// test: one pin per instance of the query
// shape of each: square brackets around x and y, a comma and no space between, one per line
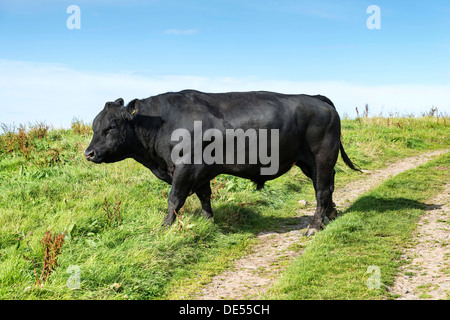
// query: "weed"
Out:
[54,155]
[39,130]
[432,113]
[47,158]
[112,211]
[357,116]
[364,115]
[51,244]
[183,225]
[215,190]
[80,128]
[16,142]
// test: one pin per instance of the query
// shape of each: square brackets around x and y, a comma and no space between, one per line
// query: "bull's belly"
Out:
[255,171]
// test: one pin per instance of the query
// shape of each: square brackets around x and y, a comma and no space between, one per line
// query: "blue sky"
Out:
[140,48]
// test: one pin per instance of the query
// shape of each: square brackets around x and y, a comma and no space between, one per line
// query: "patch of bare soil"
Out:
[427,272]
[253,274]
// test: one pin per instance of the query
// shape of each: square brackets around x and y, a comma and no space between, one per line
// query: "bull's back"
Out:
[255,109]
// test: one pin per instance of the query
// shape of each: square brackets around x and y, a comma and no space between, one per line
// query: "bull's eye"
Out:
[112,125]
[107,131]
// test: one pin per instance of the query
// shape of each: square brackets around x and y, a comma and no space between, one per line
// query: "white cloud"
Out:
[31,92]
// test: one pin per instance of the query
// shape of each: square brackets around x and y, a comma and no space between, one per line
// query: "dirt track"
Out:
[427,275]
[253,274]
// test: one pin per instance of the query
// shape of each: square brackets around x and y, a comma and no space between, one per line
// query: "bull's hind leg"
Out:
[324,186]
[204,194]
[331,213]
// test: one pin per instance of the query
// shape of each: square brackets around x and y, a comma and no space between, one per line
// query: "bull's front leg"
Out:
[181,188]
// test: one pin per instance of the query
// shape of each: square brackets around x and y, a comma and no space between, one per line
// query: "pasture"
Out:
[70,229]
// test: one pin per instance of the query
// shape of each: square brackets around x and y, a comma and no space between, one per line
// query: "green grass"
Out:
[372,232]
[376,141]
[46,184]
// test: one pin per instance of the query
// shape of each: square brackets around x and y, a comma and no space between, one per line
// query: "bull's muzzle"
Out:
[89,154]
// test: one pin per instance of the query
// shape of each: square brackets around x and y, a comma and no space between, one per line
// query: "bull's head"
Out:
[113,132]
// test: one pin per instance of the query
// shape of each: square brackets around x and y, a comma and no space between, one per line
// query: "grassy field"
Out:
[114,246]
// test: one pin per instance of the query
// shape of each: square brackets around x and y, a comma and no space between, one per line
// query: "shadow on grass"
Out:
[379,204]
[248,218]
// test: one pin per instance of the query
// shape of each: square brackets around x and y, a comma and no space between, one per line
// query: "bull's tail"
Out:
[347,160]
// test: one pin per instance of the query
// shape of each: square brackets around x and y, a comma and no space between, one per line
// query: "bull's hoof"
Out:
[167,222]
[310,232]
[208,215]
[333,214]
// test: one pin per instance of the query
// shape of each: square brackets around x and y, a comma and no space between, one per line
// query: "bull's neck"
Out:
[143,145]
[145,153]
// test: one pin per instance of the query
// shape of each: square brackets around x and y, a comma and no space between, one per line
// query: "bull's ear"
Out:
[132,109]
[119,101]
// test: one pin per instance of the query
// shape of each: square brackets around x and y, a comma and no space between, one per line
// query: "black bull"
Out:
[307,135]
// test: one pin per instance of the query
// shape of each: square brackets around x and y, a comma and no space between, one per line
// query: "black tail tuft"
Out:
[347,160]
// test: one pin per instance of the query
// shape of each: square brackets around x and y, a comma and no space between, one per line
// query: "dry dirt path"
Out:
[253,274]
[427,274]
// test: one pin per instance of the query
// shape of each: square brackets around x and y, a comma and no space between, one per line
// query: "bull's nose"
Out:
[89,154]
